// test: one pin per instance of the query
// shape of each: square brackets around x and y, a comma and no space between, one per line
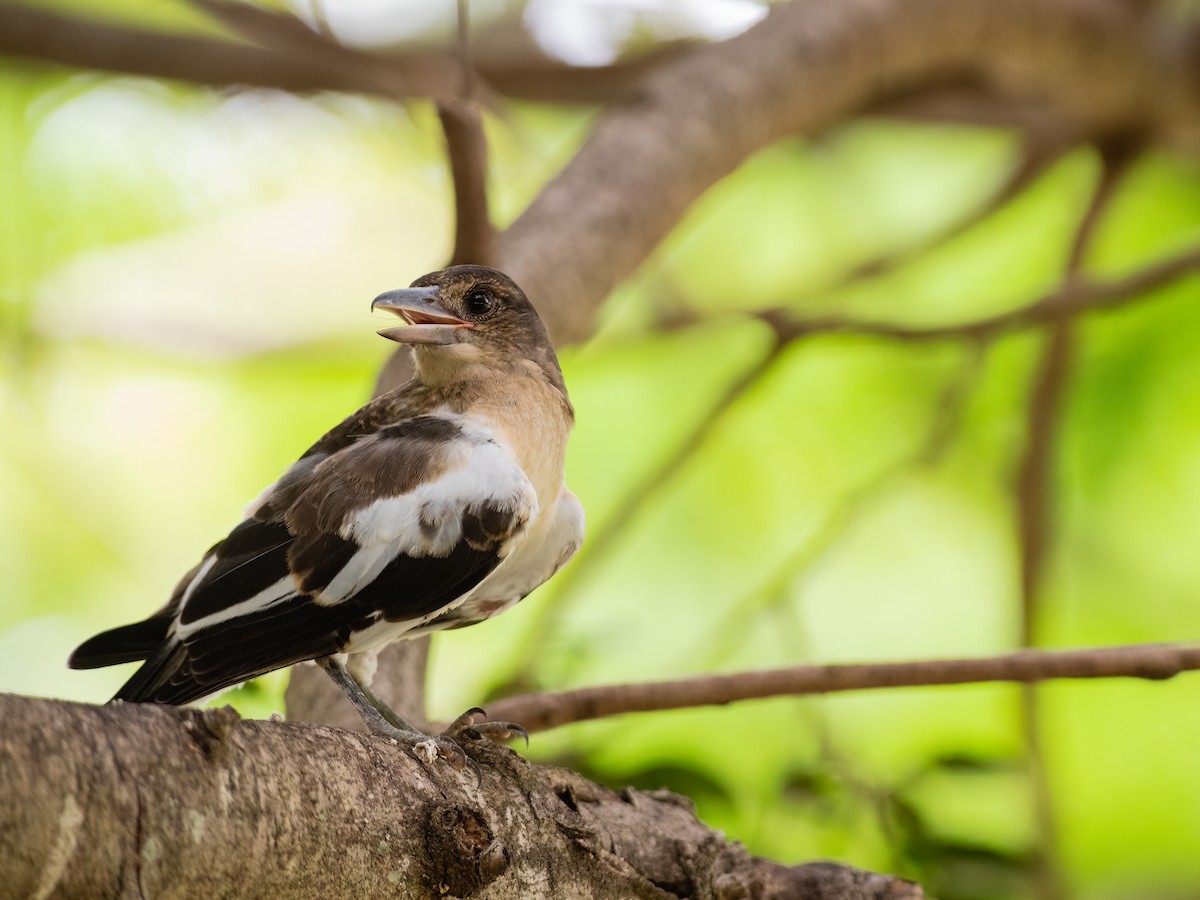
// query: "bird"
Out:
[437,505]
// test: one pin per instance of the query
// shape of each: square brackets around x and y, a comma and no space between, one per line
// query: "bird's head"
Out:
[468,315]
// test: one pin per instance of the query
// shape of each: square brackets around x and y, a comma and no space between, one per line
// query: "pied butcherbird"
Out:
[437,505]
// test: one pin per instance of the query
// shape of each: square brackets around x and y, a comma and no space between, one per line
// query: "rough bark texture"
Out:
[152,801]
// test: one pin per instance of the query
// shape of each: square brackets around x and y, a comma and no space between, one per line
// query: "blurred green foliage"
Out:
[185,284]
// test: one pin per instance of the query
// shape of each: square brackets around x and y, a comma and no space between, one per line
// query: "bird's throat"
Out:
[450,365]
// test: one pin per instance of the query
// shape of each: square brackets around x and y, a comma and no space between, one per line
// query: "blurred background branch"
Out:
[1034,496]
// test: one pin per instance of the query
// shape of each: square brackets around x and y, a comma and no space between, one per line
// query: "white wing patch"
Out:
[428,521]
[363,568]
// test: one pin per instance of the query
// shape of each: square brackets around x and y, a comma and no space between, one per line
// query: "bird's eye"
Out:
[479,303]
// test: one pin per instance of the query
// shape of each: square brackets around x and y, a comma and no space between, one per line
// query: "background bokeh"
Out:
[185,284]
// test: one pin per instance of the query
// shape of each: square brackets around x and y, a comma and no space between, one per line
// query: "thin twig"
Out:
[312,60]
[967,101]
[466,145]
[952,401]
[1034,499]
[1033,520]
[1045,400]
[1068,301]
[541,711]
[597,546]
[1037,155]
[465,60]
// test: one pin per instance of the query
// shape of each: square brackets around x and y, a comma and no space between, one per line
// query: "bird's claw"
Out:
[464,722]
[448,744]
[473,725]
[499,732]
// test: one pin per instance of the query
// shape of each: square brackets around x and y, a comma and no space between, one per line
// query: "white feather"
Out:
[486,475]
[283,589]
[363,568]
[544,549]
[195,582]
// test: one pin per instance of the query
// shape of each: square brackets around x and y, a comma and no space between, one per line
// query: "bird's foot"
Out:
[383,722]
[424,747]
[448,744]
[473,725]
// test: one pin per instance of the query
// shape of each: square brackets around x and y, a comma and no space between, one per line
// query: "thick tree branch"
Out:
[466,146]
[319,65]
[145,800]
[808,65]
[538,712]
[1097,65]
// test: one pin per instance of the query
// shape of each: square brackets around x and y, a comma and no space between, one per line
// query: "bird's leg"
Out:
[384,722]
[394,718]
[370,707]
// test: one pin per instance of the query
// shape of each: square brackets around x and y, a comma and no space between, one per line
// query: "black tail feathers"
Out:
[128,643]
[155,681]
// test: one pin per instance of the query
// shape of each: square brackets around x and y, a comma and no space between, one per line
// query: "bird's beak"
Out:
[428,323]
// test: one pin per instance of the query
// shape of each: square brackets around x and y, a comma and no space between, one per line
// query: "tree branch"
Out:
[1034,514]
[541,711]
[695,117]
[1073,299]
[146,800]
[320,65]
[808,65]
[1037,156]
[466,145]
[598,545]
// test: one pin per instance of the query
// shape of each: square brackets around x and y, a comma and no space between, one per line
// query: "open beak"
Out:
[428,323]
